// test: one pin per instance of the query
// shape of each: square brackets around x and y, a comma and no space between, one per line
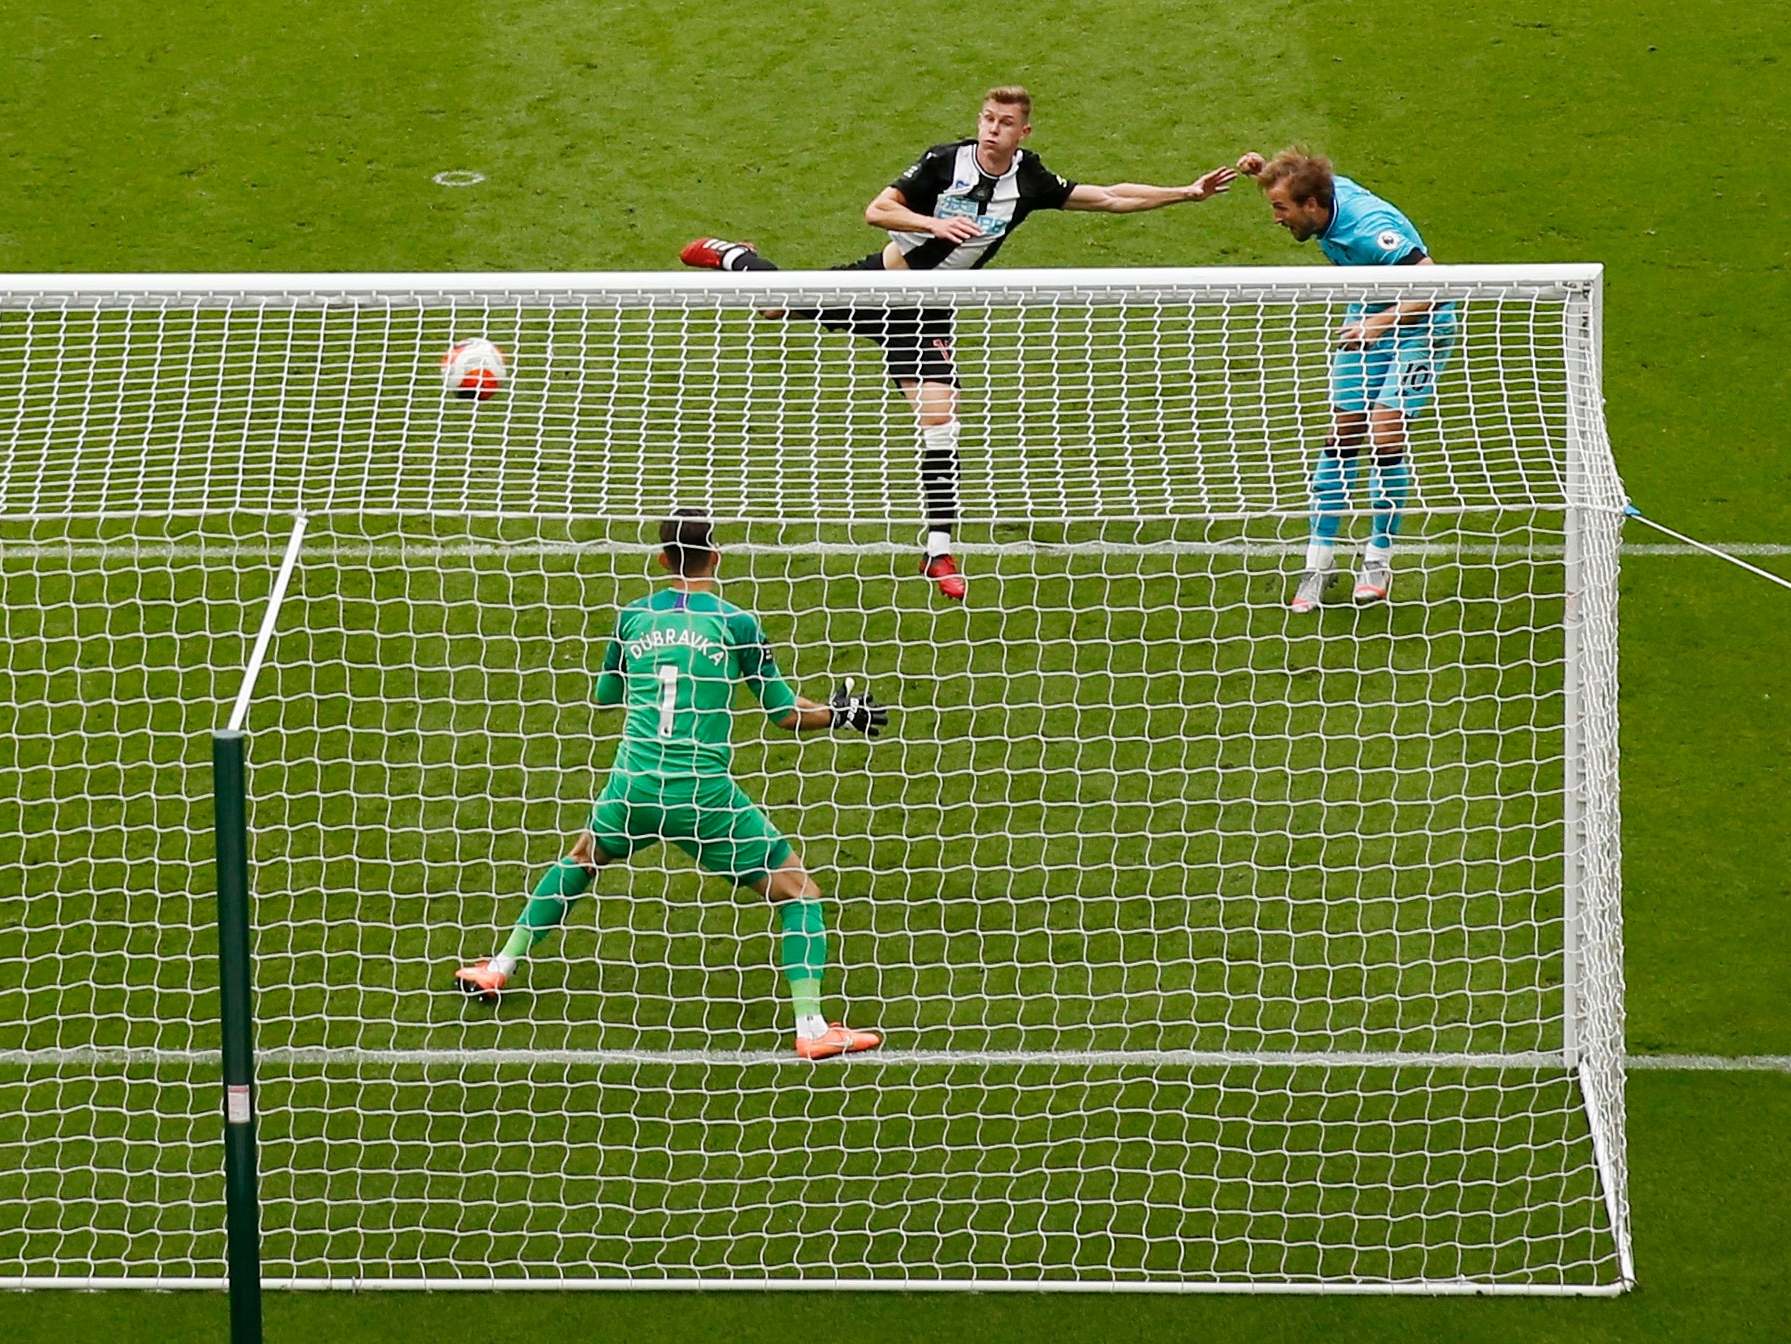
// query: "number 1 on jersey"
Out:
[668,697]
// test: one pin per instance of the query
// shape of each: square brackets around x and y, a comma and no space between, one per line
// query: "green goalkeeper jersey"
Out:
[675,660]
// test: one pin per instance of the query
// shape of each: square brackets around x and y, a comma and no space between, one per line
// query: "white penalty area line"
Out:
[338,551]
[356,1056]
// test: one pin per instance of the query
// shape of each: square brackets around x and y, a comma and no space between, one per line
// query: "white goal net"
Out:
[1215,946]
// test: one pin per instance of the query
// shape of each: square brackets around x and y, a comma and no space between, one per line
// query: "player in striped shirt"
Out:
[677,656]
[1383,372]
[953,208]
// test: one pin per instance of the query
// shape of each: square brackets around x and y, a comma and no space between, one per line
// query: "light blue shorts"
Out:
[1398,373]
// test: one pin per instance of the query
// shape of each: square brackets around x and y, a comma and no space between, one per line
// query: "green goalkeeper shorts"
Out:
[709,818]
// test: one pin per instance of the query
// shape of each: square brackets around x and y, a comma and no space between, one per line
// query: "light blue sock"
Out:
[1389,481]
[1333,477]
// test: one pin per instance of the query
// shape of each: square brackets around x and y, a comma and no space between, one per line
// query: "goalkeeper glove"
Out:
[857,710]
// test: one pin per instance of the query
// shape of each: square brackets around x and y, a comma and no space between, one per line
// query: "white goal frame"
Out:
[1592,1018]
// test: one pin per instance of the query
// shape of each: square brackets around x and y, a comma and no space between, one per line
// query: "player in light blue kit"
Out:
[1384,372]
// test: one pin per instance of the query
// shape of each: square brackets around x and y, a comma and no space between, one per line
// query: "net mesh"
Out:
[1212,944]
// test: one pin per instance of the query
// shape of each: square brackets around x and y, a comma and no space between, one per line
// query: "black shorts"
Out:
[916,342]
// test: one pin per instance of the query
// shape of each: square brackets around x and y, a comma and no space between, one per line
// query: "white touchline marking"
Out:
[458,177]
[1711,1063]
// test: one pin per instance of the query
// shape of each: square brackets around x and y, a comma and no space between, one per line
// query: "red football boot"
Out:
[708,253]
[943,571]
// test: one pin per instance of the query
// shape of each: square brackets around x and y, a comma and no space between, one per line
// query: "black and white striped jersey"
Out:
[947,180]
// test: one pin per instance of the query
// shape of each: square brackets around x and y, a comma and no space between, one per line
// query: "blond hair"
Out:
[1011,95]
[1308,175]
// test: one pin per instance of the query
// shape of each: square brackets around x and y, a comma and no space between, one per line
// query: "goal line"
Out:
[710,1284]
[112,1056]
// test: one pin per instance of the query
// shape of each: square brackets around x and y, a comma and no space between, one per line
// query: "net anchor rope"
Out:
[239,714]
[1631,511]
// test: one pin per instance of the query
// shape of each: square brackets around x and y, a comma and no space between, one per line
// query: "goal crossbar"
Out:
[1282,283]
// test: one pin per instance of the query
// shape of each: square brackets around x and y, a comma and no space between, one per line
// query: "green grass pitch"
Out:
[256,136]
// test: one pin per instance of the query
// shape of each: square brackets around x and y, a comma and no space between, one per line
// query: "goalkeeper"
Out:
[674,661]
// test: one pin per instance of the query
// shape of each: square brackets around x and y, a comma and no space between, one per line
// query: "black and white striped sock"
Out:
[741,257]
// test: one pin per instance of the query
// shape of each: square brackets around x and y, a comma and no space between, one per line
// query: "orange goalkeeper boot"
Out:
[481,980]
[837,1040]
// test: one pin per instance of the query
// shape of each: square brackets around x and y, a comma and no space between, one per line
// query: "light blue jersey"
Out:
[1367,231]
[1400,371]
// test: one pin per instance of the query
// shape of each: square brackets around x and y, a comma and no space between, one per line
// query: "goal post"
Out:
[1217,948]
[242,1215]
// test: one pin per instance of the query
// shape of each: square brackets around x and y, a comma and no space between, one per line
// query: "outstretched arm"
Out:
[1125,198]
[807,716]
[849,708]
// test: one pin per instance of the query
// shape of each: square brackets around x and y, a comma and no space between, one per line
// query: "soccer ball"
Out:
[473,368]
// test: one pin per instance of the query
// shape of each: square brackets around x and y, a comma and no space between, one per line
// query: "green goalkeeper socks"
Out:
[804,950]
[558,886]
